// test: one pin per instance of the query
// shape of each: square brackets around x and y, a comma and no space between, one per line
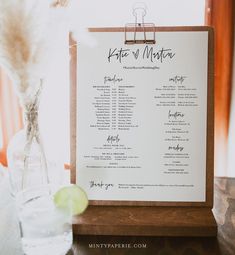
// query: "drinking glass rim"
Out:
[28,194]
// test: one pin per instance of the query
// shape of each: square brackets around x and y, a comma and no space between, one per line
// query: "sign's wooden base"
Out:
[146,221]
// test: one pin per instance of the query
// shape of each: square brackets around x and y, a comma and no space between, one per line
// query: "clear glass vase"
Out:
[27,162]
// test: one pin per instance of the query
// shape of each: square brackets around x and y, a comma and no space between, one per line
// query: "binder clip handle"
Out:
[139,11]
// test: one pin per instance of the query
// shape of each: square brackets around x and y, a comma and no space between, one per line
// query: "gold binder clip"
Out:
[140,27]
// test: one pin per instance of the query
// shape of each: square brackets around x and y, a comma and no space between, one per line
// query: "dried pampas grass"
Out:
[26,42]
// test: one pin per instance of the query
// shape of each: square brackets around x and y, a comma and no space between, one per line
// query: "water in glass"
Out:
[45,229]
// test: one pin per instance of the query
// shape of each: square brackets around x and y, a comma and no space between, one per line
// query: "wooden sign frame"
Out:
[181,218]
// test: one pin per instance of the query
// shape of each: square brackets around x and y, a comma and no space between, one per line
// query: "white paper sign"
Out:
[141,118]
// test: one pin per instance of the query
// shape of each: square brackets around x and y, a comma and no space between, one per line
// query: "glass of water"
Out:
[45,229]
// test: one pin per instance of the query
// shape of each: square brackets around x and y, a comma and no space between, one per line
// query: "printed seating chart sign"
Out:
[142,122]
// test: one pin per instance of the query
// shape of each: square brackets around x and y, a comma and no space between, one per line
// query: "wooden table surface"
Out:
[224,244]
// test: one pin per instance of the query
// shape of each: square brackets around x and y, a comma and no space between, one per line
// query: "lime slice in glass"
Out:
[71,198]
